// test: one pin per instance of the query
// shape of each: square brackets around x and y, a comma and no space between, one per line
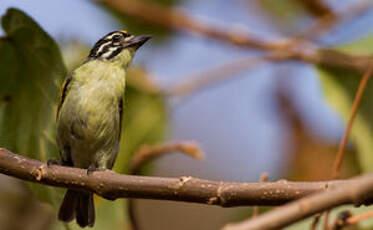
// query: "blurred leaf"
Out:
[31,67]
[283,12]
[310,151]
[74,53]
[138,26]
[30,75]
[340,87]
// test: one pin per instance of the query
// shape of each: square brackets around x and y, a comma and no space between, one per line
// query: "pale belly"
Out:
[88,127]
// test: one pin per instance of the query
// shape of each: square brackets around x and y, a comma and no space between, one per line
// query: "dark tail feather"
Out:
[85,210]
[67,208]
[79,205]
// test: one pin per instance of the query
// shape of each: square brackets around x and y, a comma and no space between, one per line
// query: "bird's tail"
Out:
[78,205]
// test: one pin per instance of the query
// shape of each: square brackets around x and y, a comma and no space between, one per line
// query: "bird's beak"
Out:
[137,41]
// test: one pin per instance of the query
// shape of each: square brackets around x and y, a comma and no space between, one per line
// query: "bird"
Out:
[89,116]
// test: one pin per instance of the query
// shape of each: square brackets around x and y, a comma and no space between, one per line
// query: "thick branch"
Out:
[112,185]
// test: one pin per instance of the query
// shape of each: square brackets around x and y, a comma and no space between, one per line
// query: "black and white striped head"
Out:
[114,43]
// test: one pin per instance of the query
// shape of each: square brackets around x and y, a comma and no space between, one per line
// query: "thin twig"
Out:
[317,7]
[341,220]
[220,73]
[177,19]
[148,153]
[330,20]
[326,220]
[358,218]
[315,221]
[355,106]
[173,18]
[111,185]
[263,178]
[358,193]
[343,143]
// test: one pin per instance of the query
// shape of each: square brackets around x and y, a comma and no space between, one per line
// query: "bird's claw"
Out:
[92,169]
[52,161]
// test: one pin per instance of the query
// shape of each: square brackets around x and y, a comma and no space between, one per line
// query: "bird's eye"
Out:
[116,38]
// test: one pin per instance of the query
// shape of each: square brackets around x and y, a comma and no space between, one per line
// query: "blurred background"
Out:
[284,118]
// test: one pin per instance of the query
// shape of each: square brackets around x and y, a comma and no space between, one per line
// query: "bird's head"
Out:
[118,47]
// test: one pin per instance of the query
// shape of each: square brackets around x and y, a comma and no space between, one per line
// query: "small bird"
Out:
[89,116]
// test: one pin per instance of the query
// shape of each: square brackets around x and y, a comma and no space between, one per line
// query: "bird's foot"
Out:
[52,161]
[92,169]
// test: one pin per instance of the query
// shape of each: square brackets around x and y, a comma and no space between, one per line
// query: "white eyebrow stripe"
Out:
[103,47]
[109,52]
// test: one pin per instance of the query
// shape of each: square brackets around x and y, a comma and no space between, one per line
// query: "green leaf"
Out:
[31,69]
[31,73]
[283,13]
[340,86]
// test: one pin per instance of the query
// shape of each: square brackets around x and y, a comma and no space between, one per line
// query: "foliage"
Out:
[30,73]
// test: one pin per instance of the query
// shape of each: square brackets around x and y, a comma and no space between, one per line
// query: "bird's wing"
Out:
[63,92]
[120,116]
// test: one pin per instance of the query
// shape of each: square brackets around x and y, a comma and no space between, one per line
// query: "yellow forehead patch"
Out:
[124,31]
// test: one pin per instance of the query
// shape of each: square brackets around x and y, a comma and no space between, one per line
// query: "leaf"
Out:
[31,67]
[30,74]
[340,87]
[283,13]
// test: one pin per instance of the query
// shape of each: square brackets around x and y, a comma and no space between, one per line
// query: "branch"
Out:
[316,7]
[329,20]
[219,73]
[356,219]
[315,221]
[263,178]
[342,145]
[359,191]
[355,106]
[111,185]
[147,153]
[178,19]
[340,221]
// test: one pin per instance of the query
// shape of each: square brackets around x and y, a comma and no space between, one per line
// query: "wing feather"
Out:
[63,93]
[120,115]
